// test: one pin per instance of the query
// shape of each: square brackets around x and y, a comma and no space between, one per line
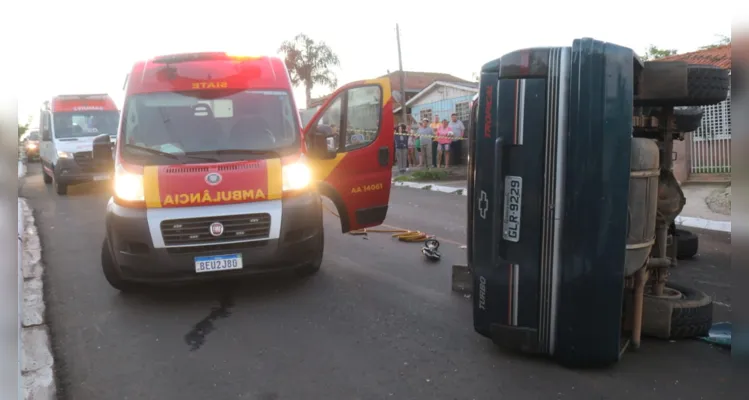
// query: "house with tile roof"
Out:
[705,155]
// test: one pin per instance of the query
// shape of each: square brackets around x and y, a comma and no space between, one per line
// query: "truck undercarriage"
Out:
[598,208]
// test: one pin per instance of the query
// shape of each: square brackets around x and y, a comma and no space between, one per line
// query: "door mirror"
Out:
[317,142]
[102,153]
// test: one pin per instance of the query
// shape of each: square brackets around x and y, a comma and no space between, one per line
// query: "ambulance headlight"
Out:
[127,185]
[64,154]
[296,176]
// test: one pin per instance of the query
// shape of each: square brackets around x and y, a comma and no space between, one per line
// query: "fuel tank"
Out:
[549,189]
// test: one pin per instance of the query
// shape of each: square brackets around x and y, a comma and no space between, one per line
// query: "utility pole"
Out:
[404,114]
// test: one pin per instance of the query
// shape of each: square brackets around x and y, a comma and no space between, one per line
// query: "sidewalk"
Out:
[696,213]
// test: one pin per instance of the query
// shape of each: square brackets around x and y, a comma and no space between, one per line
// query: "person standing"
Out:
[435,125]
[425,136]
[401,147]
[444,138]
[459,130]
[411,150]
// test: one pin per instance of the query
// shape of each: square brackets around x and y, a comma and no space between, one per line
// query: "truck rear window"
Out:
[205,121]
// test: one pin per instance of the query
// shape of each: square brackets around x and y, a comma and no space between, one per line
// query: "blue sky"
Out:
[86,46]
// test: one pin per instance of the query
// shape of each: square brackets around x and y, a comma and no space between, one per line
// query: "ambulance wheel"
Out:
[313,266]
[46,177]
[687,244]
[111,274]
[681,313]
[60,188]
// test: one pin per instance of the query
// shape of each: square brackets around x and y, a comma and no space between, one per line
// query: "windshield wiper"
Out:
[168,155]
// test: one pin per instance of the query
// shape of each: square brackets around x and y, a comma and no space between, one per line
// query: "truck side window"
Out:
[363,116]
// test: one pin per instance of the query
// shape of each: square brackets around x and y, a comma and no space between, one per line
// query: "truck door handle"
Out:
[384,156]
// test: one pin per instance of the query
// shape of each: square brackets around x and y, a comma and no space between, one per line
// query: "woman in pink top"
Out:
[444,138]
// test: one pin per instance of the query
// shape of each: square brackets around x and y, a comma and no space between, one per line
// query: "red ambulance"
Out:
[214,177]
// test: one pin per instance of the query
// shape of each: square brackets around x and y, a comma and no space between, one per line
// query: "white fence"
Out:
[711,143]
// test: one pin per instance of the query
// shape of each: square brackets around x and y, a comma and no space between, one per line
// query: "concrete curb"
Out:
[692,222]
[37,363]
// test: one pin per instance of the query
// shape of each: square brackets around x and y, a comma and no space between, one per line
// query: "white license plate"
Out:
[513,202]
[101,177]
[218,263]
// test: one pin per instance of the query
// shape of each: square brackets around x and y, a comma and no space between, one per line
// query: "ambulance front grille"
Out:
[85,160]
[548,200]
[197,231]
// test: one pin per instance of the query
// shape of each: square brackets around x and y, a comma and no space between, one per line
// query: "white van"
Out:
[68,125]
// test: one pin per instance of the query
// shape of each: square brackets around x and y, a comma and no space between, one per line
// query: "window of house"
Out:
[463,110]
[425,113]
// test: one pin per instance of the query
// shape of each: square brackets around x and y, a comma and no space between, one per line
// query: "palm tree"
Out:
[309,63]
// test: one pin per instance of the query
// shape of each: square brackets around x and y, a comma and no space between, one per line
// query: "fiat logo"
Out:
[213,179]
[217,229]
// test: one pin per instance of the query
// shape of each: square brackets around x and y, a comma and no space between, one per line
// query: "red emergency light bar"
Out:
[98,96]
[204,56]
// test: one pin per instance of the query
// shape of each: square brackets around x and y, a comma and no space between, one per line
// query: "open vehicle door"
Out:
[349,142]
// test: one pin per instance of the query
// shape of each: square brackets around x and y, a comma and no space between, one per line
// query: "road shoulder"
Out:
[37,362]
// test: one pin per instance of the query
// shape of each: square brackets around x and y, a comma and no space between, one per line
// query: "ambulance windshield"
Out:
[209,122]
[85,123]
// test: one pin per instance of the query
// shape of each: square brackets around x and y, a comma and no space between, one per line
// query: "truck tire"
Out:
[111,274]
[46,177]
[687,244]
[688,119]
[706,85]
[685,313]
[314,264]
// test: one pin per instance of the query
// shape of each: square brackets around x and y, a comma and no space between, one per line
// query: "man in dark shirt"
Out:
[401,147]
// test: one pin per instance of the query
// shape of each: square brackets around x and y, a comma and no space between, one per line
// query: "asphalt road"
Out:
[377,322]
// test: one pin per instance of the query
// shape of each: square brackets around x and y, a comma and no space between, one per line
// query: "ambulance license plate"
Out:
[513,202]
[218,263]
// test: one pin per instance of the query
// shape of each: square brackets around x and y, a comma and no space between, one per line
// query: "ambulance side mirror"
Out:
[102,153]
[317,142]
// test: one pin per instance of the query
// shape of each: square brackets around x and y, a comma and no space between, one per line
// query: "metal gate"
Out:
[711,143]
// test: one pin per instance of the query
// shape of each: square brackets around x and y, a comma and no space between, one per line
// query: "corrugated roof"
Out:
[717,56]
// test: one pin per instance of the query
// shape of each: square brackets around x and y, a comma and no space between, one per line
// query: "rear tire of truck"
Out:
[314,265]
[46,177]
[687,244]
[682,313]
[706,85]
[111,274]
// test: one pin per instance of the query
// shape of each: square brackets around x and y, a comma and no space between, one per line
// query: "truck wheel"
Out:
[110,271]
[313,266]
[688,119]
[46,177]
[706,85]
[681,313]
[687,244]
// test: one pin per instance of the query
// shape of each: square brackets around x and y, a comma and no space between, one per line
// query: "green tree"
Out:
[654,53]
[309,63]
[25,127]
[722,41]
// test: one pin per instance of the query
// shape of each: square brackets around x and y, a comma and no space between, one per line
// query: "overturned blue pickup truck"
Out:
[572,200]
